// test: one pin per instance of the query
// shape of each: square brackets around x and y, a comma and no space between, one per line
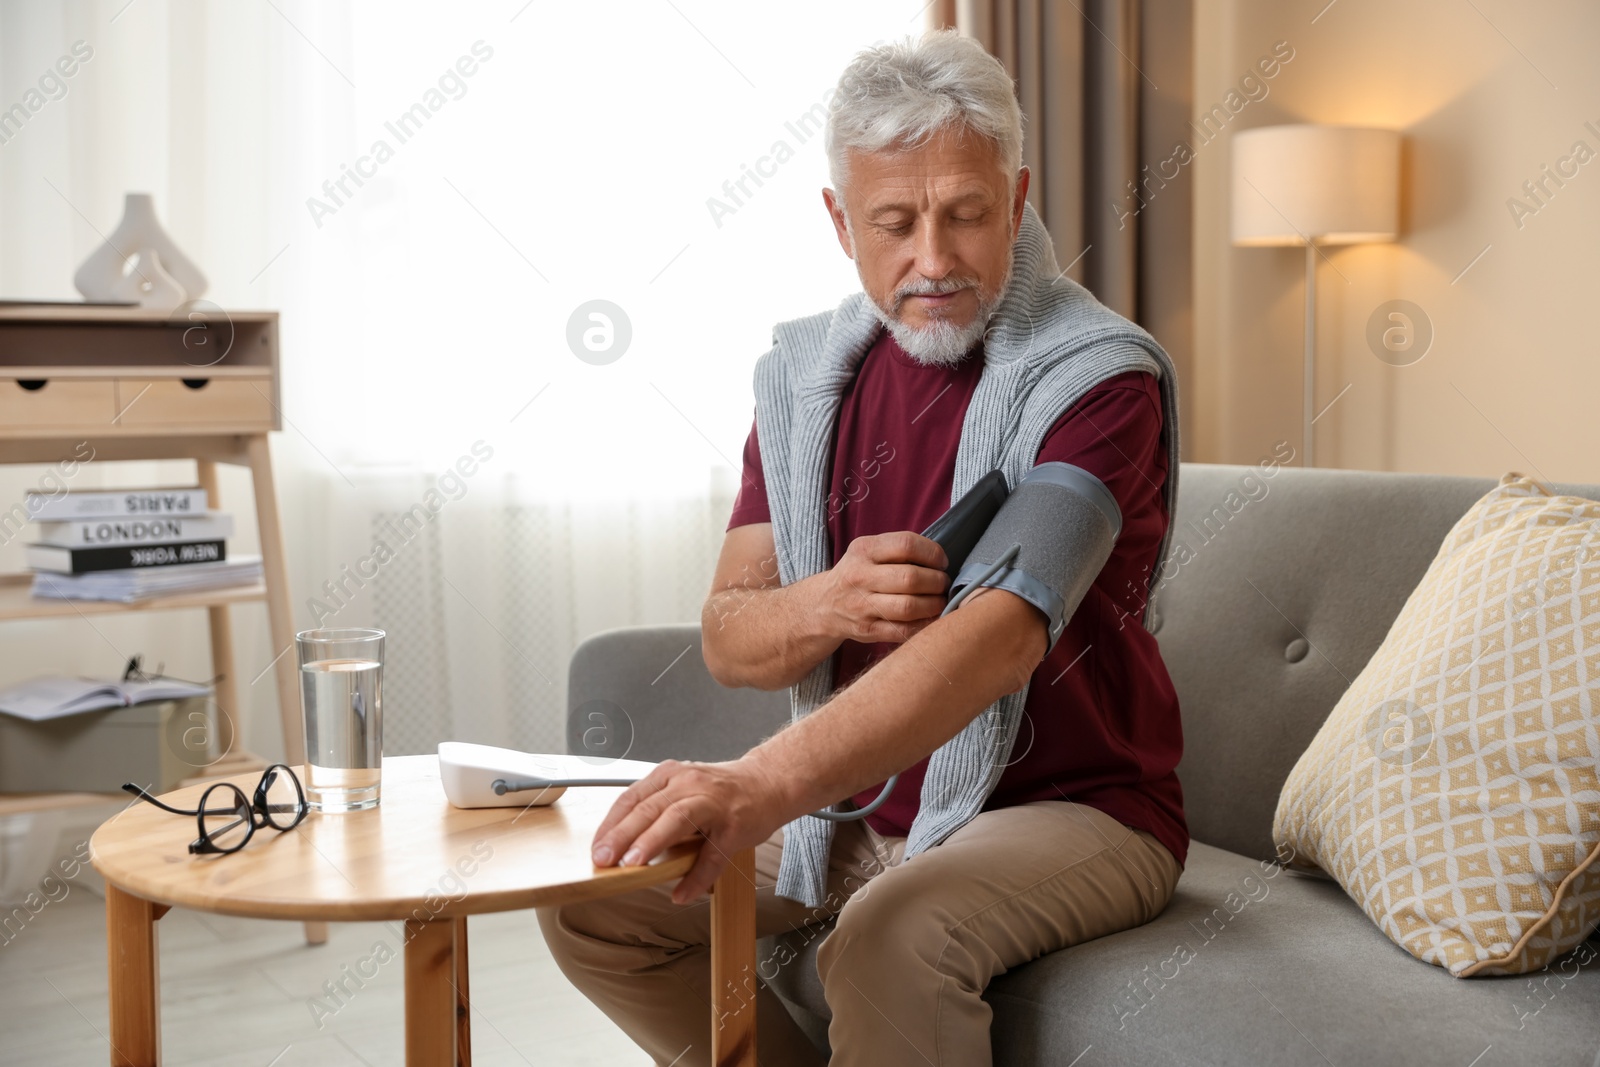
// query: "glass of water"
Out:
[341,695]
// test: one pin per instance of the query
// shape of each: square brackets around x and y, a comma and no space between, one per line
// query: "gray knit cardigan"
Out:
[1049,342]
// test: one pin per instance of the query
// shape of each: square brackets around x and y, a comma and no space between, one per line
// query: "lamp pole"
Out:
[1310,400]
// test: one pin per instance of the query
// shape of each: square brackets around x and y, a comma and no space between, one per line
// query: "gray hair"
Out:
[899,95]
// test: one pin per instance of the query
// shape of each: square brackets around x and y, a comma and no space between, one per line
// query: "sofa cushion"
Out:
[1255,964]
[643,692]
[1453,790]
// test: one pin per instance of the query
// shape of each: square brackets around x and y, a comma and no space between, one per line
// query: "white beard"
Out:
[940,343]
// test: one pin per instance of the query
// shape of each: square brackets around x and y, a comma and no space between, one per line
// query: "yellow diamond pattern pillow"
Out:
[1453,791]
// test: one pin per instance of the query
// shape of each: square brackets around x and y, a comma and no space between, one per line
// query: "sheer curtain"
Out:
[428,193]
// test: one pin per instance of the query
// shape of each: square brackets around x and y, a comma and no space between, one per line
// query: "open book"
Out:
[55,698]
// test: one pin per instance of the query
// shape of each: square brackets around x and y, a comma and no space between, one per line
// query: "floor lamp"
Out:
[1314,186]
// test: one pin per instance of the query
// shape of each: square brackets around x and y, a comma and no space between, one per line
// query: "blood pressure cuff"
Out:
[1066,522]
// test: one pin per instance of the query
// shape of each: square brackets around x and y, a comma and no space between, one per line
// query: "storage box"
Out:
[155,745]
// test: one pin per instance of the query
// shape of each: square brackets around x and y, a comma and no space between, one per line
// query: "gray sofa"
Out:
[1292,584]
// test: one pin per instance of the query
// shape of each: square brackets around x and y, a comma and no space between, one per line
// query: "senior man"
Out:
[1037,805]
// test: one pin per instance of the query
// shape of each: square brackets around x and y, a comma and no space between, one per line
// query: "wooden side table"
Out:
[392,863]
[115,383]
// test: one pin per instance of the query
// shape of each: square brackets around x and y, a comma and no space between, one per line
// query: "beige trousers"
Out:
[916,941]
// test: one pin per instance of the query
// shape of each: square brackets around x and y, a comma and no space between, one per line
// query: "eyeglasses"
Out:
[227,819]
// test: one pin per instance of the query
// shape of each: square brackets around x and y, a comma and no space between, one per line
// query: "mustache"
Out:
[931,287]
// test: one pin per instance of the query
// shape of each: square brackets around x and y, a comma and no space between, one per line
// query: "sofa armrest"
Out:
[643,692]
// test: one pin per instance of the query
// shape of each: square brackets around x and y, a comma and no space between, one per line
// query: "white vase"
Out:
[148,284]
[105,271]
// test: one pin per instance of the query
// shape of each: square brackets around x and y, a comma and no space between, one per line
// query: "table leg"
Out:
[463,1004]
[133,963]
[432,1001]
[733,963]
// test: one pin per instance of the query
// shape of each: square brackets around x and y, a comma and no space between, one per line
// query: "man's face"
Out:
[931,231]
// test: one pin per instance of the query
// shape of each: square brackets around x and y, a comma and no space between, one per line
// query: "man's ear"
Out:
[836,212]
[1019,202]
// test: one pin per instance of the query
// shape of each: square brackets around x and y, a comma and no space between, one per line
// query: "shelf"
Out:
[48,371]
[91,355]
[63,342]
[122,316]
[26,803]
[17,603]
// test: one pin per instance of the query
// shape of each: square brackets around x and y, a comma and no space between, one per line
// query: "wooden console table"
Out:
[133,384]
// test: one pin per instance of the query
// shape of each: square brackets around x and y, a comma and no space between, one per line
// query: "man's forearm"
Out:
[911,702]
[908,704]
[765,638]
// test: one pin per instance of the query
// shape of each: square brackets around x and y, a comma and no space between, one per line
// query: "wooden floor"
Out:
[241,992]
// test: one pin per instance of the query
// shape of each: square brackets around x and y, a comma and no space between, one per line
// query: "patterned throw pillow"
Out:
[1453,792]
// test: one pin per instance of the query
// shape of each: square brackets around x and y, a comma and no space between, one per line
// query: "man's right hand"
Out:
[755,631]
[885,587]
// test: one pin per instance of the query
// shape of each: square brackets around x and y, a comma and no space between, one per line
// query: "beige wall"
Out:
[1486,94]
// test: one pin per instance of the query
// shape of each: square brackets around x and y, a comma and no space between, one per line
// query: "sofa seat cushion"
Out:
[1248,965]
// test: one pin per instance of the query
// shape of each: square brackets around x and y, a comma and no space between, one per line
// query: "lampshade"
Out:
[1328,184]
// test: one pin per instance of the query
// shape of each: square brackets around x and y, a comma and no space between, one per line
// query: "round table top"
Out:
[411,857]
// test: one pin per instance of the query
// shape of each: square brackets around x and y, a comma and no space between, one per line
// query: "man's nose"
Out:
[935,252]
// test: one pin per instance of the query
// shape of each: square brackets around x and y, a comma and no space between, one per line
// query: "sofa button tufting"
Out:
[1297,650]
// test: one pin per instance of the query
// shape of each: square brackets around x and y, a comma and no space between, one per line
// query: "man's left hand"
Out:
[730,805]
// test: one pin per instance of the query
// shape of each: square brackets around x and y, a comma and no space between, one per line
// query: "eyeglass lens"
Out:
[225,818]
[285,803]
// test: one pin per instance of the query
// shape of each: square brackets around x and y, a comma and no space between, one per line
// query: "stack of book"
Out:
[129,544]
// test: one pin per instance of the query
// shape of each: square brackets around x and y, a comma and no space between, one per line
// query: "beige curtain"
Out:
[1105,88]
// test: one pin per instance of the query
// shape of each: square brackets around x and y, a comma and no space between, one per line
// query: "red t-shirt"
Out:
[1101,722]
